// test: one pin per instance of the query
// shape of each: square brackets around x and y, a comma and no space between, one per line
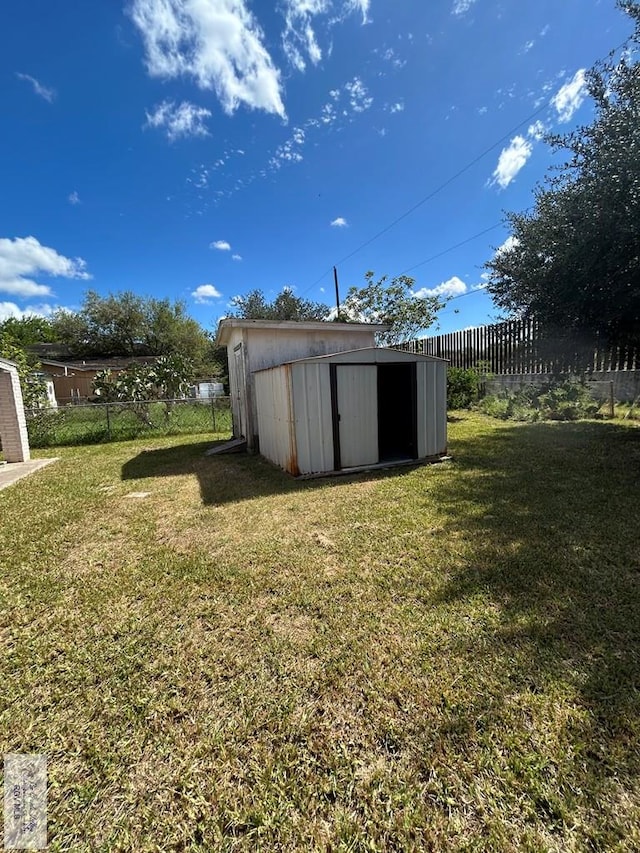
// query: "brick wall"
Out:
[13,427]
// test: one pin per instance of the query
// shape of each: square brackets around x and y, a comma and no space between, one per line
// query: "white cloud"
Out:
[511,160]
[206,293]
[537,130]
[44,92]
[461,7]
[391,56]
[299,37]
[183,119]
[290,151]
[217,42]
[220,245]
[510,243]
[396,108]
[358,93]
[236,257]
[10,309]
[74,198]
[452,287]
[361,6]
[568,99]
[340,222]
[24,257]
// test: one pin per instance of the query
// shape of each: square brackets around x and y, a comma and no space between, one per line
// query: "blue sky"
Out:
[197,149]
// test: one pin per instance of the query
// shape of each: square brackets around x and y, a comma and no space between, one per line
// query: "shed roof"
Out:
[365,355]
[5,364]
[225,326]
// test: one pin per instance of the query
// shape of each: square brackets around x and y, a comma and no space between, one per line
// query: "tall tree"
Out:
[25,331]
[31,383]
[393,303]
[126,324]
[286,306]
[574,261]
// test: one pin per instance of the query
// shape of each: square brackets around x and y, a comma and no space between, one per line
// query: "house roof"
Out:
[351,356]
[114,363]
[8,365]
[225,327]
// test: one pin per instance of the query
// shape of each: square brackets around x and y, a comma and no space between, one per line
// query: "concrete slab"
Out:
[11,472]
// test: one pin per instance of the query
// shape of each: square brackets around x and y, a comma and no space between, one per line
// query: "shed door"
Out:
[356,395]
[240,391]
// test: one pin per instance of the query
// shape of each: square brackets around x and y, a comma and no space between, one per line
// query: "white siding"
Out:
[358,412]
[312,413]
[275,421]
[271,347]
[432,408]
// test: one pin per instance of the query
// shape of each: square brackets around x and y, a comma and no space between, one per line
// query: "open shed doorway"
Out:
[397,412]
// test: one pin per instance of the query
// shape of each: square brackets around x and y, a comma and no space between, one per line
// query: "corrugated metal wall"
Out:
[275,425]
[358,411]
[312,417]
[295,414]
[432,408]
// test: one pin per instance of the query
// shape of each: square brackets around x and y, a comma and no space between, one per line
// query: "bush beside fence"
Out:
[93,423]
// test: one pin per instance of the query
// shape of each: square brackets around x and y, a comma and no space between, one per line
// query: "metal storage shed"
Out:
[352,410]
[255,344]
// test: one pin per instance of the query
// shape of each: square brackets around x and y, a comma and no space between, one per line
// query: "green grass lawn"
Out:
[442,658]
[97,423]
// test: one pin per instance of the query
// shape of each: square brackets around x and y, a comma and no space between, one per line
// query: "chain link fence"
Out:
[93,423]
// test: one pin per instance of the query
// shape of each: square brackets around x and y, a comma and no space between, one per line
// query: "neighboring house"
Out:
[73,380]
[256,344]
[13,426]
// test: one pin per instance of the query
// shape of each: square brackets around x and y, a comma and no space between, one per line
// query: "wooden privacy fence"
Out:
[521,346]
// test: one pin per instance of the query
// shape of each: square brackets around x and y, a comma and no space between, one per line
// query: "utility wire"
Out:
[441,186]
[439,189]
[427,198]
[451,248]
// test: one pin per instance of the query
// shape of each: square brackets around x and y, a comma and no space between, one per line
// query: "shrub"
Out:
[463,387]
[555,400]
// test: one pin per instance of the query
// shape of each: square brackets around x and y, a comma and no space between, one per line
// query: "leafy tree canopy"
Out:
[28,330]
[392,303]
[574,261]
[126,324]
[31,383]
[286,306]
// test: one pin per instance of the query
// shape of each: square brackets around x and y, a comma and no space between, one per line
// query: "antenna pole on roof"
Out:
[335,278]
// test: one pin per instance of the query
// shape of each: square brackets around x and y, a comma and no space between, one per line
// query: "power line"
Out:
[427,198]
[451,248]
[445,184]
[439,189]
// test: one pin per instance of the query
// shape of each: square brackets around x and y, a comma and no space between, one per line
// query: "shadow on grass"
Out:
[230,478]
[549,516]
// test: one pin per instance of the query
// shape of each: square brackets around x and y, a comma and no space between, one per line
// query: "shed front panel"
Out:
[357,399]
[432,408]
[273,399]
[312,416]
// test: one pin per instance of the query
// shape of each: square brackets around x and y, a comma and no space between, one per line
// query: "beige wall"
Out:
[270,347]
[13,426]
